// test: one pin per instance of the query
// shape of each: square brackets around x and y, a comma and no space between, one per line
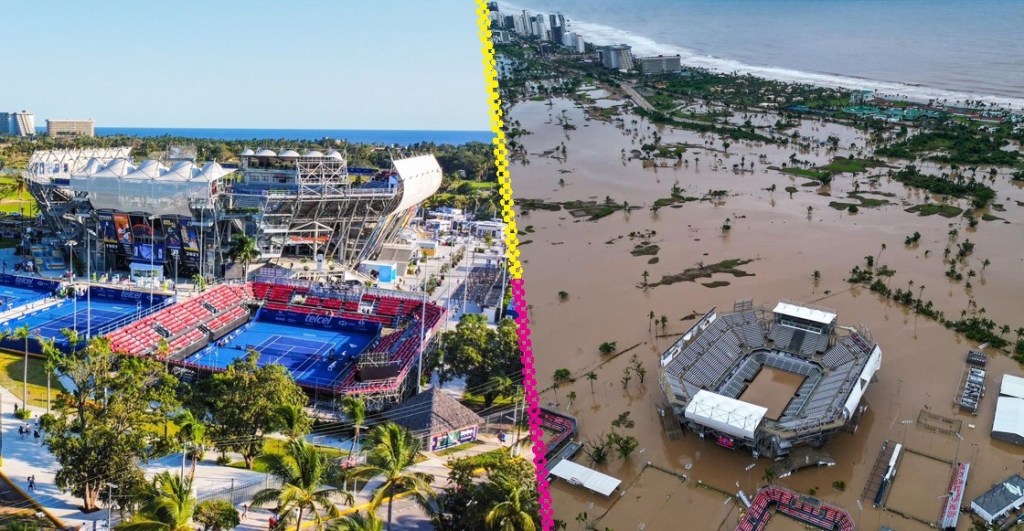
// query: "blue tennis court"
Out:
[48,322]
[11,296]
[312,356]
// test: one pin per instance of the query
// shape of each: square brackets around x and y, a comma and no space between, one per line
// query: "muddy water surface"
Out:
[788,237]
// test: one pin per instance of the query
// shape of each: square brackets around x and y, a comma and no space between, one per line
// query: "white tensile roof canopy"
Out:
[727,415]
[1009,418]
[578,474]
[421,178]
[1012,386]
[805,313]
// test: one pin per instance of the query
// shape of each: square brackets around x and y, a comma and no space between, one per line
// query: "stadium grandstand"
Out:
[334,341]
[769,381]
[180,216]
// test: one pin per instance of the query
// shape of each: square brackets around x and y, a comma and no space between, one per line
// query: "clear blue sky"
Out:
[302,64]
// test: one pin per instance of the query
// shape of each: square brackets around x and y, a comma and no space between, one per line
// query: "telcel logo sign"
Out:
[318,319]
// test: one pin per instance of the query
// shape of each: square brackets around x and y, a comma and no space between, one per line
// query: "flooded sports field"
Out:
[772,388]
[715,225]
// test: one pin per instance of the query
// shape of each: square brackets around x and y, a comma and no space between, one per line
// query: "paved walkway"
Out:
[24,457]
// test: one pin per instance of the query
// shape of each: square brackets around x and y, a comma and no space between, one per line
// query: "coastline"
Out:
[402,137]
[602,34]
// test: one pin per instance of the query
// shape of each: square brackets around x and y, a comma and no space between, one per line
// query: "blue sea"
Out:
[360,136]
[920,49]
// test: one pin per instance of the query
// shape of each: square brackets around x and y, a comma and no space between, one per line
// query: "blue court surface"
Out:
[48,322]
[312,356]
[11,296]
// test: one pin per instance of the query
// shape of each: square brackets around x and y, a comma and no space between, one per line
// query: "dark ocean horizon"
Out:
[359,136]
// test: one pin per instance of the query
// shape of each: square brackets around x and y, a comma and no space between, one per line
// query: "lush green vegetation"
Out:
[953,185]
[931,209]
[955,143]
[487,358]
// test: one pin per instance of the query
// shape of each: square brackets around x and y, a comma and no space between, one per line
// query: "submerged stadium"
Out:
[769,381]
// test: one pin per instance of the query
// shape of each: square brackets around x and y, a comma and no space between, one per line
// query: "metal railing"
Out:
[238,493]
[139,314]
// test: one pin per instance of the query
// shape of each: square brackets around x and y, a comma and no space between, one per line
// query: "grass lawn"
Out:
[476,402]
[459,448]
[11,367]
[14,202]
[476,185]
[276,446]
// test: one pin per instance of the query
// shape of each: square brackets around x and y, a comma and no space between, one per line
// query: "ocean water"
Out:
[921,49]
[362,136]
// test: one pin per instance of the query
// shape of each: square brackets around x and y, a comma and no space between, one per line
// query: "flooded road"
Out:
[788,237]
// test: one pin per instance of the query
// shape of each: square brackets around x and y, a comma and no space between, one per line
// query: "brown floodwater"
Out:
[788,237]
[772,388]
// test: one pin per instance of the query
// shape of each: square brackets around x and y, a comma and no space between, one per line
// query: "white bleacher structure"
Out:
[710,367]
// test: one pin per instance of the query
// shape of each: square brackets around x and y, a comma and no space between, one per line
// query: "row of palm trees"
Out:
[307,495]
[50,351]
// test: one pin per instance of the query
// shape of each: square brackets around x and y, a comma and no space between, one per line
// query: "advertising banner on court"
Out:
[172,234]
[123,295]
[123,228]
[107,231]
[189,242]
[40,284]
[323,322]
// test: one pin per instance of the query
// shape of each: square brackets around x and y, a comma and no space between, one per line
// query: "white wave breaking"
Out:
[601,34]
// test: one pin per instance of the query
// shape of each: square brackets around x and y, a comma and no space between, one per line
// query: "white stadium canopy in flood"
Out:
[1008,424]
[727,415]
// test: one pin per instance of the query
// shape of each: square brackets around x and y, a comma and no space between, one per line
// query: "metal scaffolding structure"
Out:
[293,204]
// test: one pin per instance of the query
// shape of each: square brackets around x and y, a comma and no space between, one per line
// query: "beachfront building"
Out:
[57,128]
[768,381]
[437,419]
[616,57]
[661,64]
[17,123]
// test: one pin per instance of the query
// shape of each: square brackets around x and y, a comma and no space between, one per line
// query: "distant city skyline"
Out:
[310,64]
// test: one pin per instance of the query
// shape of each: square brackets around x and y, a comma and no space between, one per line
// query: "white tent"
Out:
[151,187]
[1012,386]
[724,414]
[803,312]
[1008,424]
[582,476]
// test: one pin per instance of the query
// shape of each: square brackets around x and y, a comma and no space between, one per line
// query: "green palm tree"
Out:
[294,419]
[358,522]
[355,409]
[191,432]
[52,353]
[511,513]
[168,506]
[23,333]
[244,250]
[304,471]
[392,451]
